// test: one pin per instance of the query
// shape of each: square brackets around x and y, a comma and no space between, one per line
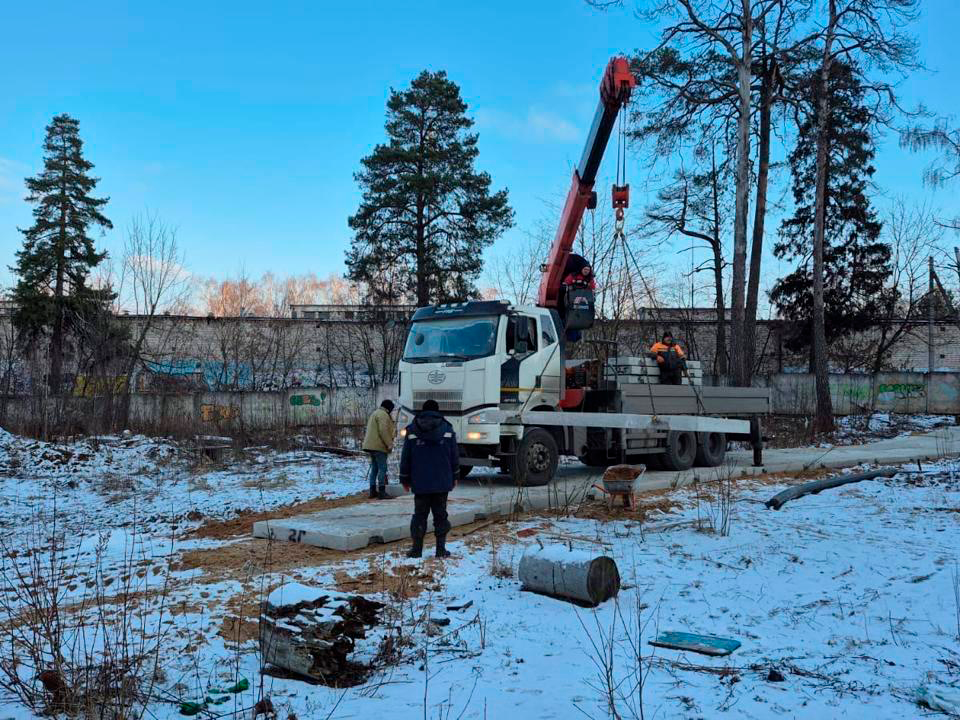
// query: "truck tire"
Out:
[595,458]
[681,450]
[711,449]
[536,460]
[653,461]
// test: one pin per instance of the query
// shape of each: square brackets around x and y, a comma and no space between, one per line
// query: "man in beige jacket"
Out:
[378,442]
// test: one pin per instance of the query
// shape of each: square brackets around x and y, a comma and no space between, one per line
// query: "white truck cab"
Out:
[477,356]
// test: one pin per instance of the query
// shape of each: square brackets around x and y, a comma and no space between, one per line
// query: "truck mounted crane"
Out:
[615,88]
[502,376]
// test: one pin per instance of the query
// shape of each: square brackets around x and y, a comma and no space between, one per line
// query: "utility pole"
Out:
[930,352]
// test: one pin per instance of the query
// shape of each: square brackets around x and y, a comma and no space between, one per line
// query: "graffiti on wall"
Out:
[84,386]
[212,412]
[861,393]
[857,394]
[903,391]
[308,399]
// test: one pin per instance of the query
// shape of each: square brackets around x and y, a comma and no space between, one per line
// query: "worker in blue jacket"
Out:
[429,465]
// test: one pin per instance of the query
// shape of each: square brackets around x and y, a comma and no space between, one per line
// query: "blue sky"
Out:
[243,123]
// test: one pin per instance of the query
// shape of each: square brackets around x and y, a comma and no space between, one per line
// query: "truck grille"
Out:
[448,400]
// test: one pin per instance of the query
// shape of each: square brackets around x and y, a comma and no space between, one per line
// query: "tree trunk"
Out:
[423,290]
[721,339]
[760,211]
[56,334]
[737,360]
[720,353]
[823,422]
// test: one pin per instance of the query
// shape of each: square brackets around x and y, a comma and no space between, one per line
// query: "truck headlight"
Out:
[479,419]
[403,417]
[474,435]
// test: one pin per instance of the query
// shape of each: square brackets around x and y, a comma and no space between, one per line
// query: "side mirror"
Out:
[523,330]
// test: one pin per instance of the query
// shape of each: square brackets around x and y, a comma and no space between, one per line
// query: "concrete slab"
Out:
[487,496]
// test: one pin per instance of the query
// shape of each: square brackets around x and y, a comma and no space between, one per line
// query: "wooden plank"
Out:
[712,645]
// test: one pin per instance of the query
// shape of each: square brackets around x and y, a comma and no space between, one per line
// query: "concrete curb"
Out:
[357,526]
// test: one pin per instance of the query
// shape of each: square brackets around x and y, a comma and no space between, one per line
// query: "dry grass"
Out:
[500,567]
[280,481]
[400,581]
[92,652]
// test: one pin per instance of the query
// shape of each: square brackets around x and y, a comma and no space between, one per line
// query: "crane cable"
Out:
[621,172]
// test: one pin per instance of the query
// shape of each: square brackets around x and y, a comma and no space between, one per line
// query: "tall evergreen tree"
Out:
[426,214]
[58,253]
[856,262]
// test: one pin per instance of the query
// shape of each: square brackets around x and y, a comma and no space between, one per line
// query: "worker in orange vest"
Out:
[670,359]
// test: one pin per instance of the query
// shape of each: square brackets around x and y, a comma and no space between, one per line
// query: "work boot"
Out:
[373,493]
[442,551]
[382,494]
[416,550]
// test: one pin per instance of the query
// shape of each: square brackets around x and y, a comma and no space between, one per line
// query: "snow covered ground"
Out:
[856,429]
[849,596]
[112,481]
[846,603]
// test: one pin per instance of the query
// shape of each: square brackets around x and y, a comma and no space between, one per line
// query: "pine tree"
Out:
[426,214]
[58,254]
[856,262]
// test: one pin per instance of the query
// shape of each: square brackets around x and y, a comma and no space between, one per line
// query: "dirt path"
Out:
[247,556]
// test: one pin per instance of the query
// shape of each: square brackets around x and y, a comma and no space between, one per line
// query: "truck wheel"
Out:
[653,461]
[536,461]
[595,458]
[681,450]
[711,449]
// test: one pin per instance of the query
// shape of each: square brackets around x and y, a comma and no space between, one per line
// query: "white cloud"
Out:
[536,125]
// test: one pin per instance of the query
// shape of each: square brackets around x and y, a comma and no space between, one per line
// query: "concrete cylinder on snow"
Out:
[575,574]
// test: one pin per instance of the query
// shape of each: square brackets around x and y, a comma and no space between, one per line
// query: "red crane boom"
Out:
[615,88]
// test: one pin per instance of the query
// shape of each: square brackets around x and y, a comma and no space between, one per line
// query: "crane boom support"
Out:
[618,81]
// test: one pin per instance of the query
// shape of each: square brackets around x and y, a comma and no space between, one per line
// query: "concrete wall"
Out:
[238,412]
[205,412]
[900,392]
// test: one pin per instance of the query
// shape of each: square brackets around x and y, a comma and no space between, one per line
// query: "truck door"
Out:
[533,364]
[551,379]
[517,376]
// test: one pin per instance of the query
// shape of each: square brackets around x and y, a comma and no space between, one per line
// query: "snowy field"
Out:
[117,481]
[847,603]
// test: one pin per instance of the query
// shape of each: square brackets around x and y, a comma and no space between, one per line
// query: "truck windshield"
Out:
[463,338]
